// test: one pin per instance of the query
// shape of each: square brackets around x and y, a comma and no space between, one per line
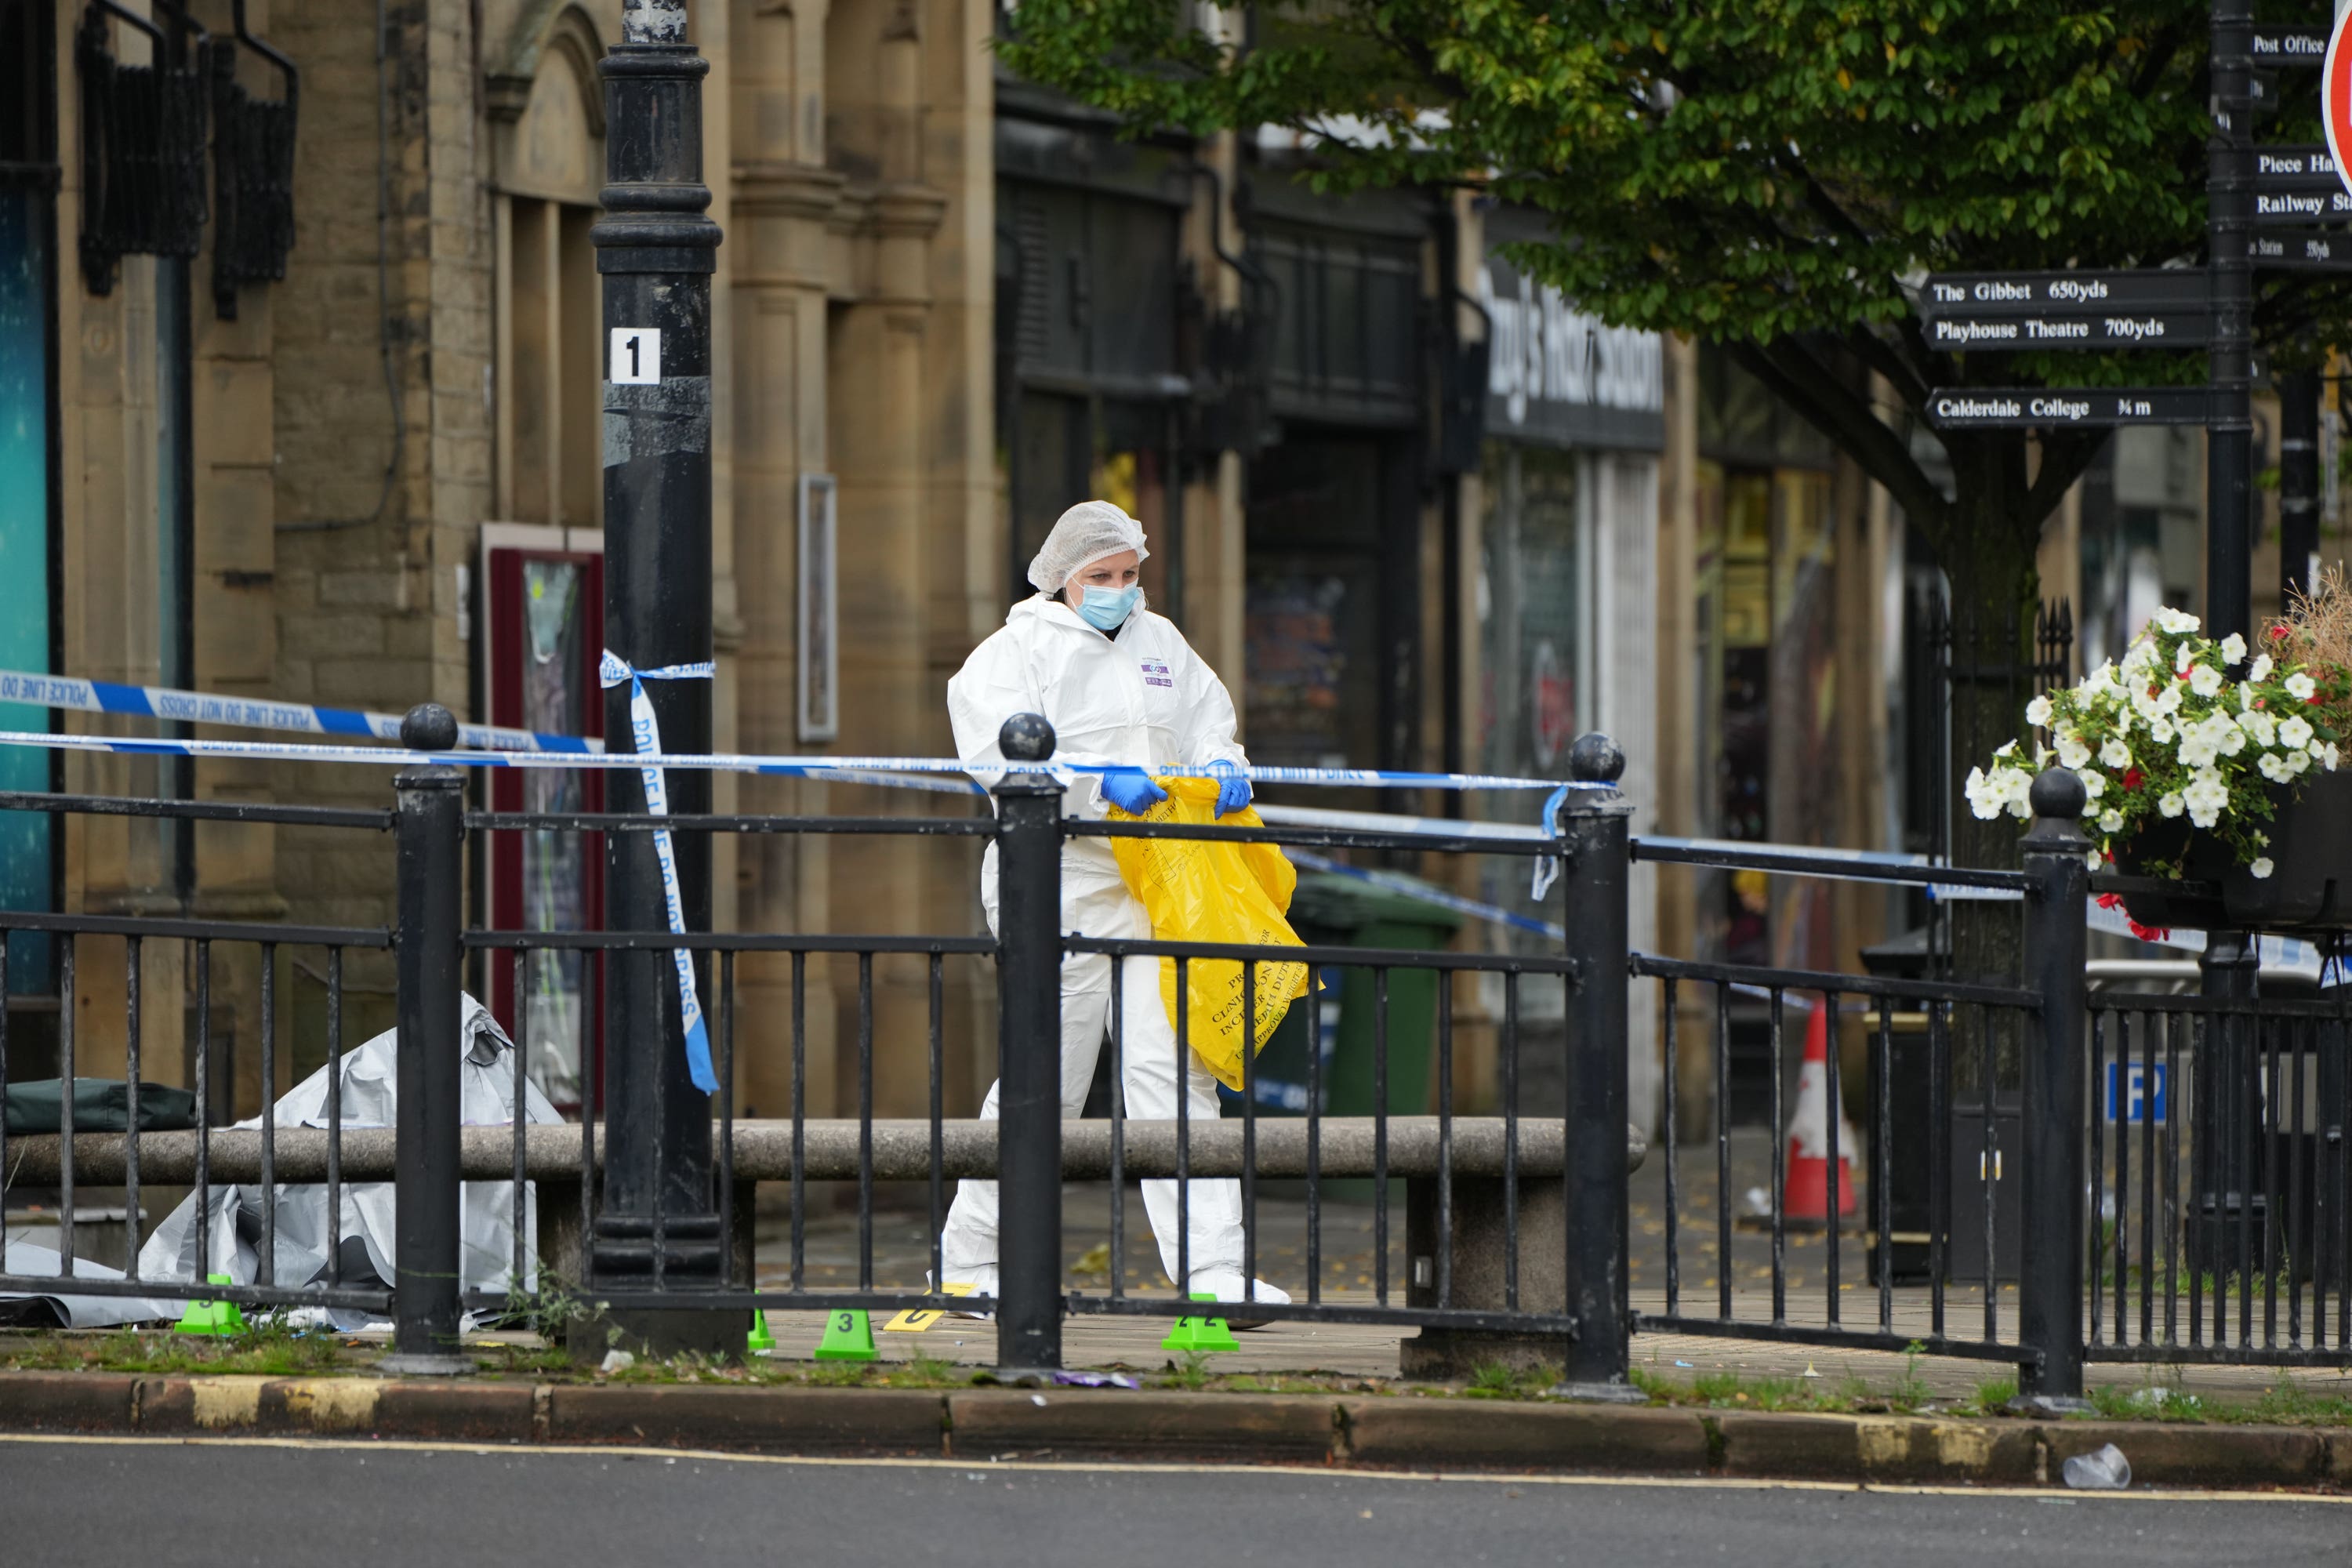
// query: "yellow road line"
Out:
[1292,1472]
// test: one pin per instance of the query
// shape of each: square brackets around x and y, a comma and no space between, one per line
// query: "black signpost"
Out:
[2263,206]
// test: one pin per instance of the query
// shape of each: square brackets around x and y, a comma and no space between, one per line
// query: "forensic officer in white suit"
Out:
[1123,691]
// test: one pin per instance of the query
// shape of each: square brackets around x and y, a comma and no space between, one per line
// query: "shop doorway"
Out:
[1332,626]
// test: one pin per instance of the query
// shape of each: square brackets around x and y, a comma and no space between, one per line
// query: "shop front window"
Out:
[1072,448]
[1530,597]
[1313,690]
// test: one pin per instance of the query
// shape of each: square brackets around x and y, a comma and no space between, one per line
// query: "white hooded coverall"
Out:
[1145,700]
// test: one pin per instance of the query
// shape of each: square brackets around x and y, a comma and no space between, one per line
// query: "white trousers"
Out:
[1147,1061]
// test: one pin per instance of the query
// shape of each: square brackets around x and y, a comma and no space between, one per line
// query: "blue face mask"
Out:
[1107,609]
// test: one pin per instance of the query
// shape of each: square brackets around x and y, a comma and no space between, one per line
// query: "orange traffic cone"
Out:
[1806,1190]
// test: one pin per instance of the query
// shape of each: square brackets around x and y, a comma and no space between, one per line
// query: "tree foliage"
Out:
[1773,175]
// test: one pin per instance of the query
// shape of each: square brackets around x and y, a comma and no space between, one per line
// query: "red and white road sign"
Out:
[2336,96]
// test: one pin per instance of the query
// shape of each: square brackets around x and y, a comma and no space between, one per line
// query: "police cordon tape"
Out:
[76,695]
[646,730]
[508,747]
[739,763]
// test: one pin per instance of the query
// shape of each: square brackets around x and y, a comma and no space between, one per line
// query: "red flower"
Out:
[2155,690]
[2147,933]
[2278,634]
[2133,778]
[2315,699]
[2111,900]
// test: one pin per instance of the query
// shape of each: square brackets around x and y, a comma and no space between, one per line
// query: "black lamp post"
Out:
[658,1227]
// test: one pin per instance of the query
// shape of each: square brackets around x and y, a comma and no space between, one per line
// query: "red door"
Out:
[545,611]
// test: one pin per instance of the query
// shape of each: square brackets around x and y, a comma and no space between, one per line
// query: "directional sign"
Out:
[2273,208]
[2050,408]
[2038,293]
[2272,48]
[2302,249]
[2176,329]
[2336,91]
[2280,169]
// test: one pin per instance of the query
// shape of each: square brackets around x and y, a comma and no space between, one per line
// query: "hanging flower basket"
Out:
[2309,887]
[2199,776]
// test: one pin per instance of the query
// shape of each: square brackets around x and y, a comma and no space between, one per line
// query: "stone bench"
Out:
[902,1152]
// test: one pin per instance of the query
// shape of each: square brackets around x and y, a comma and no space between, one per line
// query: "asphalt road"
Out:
[149,1501]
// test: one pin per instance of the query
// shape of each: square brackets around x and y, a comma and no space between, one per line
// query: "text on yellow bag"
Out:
[1222,892]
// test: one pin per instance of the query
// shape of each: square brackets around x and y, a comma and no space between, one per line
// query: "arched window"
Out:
[548,163]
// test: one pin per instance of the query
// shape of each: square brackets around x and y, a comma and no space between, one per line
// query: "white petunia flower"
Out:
[2111,822]
[1986,796]
[2115,755]
[2231,745]
[2205,680]
[2275,768]
[2260,868]
[2095,784]
[2170,804]
[2301,687]
[2330,759]
[2296,731]
[2160,730]
[2261,669]
[2205,797]
[2297,760]
[2233,649]
[2073,752]
[2038,712]
[2177,622]
[2182,659]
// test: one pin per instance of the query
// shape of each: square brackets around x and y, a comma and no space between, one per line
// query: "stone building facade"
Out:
[946,307]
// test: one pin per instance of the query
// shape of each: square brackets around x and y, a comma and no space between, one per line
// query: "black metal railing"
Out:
[2148,1178]
[2225,1239]
[176,1145]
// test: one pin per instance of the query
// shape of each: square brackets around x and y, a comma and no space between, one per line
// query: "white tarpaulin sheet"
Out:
[370,1096]
[31,1259]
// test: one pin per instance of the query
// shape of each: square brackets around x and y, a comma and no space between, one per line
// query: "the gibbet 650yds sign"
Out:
[2146,307]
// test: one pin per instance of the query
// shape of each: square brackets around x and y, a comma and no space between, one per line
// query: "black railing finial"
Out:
[429,727]
[1596,758]
[1026,738]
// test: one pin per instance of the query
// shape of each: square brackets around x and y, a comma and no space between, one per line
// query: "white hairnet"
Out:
[1085,533]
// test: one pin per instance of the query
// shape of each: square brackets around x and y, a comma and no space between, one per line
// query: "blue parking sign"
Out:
[2136,1091]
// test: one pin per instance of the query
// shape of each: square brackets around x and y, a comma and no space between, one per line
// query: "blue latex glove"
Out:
[1233,790]
[1132,790]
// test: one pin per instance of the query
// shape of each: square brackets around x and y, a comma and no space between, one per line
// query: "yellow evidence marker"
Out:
[914,1320]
